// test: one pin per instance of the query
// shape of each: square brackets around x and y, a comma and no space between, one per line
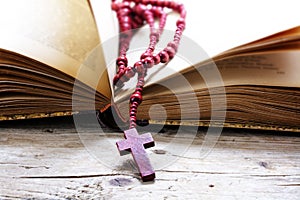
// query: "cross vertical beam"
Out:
[136,144]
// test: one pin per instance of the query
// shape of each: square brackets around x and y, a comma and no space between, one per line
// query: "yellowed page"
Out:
[216,26]
[60,33]
[108,29]
[270,69]
[266,68]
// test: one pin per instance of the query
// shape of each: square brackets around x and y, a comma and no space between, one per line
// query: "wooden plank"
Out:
[46,159]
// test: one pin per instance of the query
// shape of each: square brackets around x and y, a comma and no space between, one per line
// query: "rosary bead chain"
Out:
[133,14]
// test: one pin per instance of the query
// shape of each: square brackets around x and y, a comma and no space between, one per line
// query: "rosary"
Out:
[133,14]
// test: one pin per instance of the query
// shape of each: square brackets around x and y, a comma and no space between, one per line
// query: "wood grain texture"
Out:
[136,144]
[45,159]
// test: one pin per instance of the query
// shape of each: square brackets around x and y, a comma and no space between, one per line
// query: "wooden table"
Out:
[45,159]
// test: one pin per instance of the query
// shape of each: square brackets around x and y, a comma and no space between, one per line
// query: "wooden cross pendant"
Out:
[136,144]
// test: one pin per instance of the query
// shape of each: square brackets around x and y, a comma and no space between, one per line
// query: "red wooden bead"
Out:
[183,13]
[164,57]
[179,7]
[140,9]
[121,72]
[148,62]
[138,19]
[120,64]
[141,82]
[136,97]
[145,2]
[156,59]
[121,75]
[172,5]
[123,59]
[115,6]
[132,122]
[133,118]
[170,51]
[146,13]
[181,21]
[125,4]
[116,79]
[145,55]
[130,72]
[125,27]
[133,109]
[156,11]
[140,89]
[174,45]
[139,67]
[134,105]
[124,12]
[149,17]
[121,67]
[132,113]
[161,3]
[126,20]
[154,35]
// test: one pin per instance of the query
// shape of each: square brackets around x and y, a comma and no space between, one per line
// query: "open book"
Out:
[57,57]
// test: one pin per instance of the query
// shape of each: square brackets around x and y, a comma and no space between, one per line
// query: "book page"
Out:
[108,29]
[214,27]
[263,69]
[219,25]
[59,33]
[266,68]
